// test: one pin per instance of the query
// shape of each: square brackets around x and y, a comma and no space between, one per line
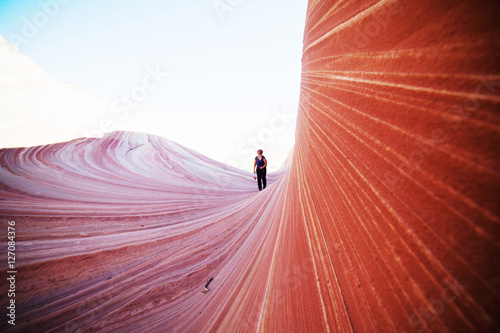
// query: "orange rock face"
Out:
[393,192]
[385,217]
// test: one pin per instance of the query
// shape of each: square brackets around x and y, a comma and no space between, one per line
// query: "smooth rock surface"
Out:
[385,217]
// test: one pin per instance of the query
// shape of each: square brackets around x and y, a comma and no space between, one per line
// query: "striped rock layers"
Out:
[385,217]
[393,193]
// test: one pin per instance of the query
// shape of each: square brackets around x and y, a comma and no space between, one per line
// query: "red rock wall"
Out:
[393,193]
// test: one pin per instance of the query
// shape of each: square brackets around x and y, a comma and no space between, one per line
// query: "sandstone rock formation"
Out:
[393,191]
[122,232]
[385,218]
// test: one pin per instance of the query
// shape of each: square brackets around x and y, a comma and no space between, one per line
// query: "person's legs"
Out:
[264,171]
[259,179]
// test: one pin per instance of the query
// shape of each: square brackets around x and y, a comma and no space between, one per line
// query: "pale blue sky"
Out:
[226,73]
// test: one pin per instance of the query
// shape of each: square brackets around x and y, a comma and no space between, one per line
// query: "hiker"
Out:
[260,163]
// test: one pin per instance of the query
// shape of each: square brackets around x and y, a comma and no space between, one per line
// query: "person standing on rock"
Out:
[260,163]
